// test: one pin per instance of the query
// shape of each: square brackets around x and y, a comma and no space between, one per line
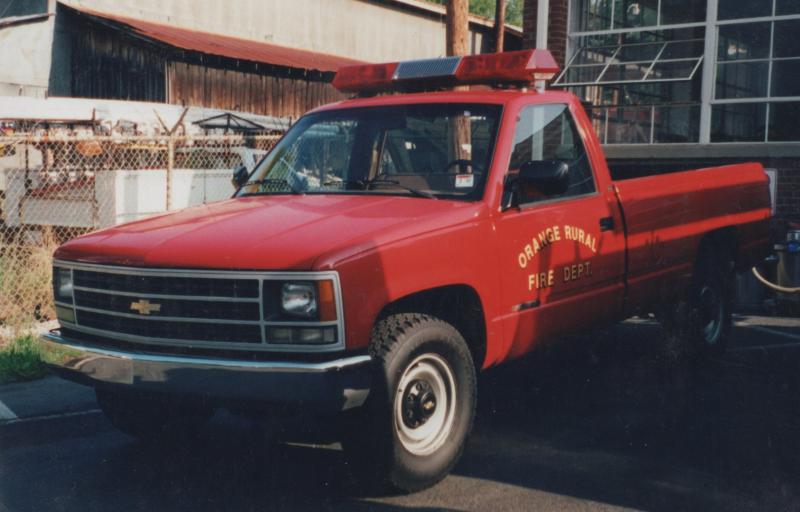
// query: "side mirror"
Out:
[550,177]
[239,178]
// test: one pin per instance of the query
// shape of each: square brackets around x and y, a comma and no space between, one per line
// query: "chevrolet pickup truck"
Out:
[388,248]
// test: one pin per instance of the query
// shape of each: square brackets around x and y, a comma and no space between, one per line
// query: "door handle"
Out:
[607,224]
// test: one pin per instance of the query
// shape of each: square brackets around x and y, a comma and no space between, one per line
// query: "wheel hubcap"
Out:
[419,403]
[711,314]
[425,404]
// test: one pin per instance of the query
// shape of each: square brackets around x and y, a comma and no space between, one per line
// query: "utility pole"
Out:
[458,44]
[499,24]
[457,27]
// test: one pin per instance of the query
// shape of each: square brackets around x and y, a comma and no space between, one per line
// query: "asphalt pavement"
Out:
[615,419]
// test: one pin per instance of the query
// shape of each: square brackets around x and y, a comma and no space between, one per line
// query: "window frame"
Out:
[768,100]
[651,64]
[590,164]
[708,68]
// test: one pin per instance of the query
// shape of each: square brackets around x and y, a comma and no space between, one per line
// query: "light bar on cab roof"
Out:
[509,68]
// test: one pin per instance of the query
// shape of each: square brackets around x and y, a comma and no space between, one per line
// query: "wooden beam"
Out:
[499,24]
[457,27]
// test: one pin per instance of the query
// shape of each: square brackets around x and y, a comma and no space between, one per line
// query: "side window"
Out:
[548,132]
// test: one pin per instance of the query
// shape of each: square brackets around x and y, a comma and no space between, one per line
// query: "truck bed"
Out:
[667,215]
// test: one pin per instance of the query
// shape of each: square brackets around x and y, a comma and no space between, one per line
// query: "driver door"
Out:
[562,256]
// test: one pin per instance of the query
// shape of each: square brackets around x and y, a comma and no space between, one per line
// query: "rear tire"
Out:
[415,424]
[704,318]
[152,418]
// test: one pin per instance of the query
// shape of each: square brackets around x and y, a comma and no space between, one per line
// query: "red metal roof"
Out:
[225,46]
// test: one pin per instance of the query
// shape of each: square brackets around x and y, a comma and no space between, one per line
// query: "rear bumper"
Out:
[328,386]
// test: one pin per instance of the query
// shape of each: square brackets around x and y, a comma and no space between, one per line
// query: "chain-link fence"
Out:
[54,189]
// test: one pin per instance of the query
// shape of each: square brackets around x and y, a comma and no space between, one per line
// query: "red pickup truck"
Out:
[388,248]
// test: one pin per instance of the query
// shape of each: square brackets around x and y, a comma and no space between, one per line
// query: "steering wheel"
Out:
[462,164]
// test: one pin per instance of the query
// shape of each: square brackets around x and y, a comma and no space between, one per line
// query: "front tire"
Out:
[415,424]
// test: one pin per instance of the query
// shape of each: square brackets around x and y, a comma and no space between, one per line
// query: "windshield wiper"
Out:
[269,181]
[383,181]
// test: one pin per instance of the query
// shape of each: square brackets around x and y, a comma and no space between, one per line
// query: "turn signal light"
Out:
[327,301]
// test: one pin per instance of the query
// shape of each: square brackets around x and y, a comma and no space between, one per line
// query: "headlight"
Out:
[299,299]
[62,284]
[301,312]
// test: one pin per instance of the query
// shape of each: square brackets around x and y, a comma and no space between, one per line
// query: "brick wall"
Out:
[788,197]
[556,32]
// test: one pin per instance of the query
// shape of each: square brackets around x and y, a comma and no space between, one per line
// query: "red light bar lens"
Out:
[371,77]
[520,66]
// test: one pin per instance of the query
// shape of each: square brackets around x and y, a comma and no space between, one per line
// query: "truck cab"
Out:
[387,249]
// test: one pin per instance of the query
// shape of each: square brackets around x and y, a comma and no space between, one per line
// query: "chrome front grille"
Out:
[196,287]
[211,309]
[187,308]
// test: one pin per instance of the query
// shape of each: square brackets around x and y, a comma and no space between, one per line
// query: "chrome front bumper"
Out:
[334,385]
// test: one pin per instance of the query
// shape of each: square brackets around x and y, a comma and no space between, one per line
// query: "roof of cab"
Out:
[488,96]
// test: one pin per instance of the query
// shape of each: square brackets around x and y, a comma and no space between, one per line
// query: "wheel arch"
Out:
[719,242]
[459,305]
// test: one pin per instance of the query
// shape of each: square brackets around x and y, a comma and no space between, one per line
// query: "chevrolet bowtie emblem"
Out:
[144,307]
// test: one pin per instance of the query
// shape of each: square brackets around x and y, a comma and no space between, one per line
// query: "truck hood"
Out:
[268,232]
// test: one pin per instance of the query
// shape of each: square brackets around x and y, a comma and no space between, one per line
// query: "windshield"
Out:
[435,151]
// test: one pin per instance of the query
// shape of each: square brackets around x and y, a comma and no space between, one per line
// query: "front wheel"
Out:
[413,428]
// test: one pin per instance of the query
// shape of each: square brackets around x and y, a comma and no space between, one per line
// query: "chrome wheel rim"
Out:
[711,314]
[424,404]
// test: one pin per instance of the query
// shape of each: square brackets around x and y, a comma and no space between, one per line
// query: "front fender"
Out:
[377,277]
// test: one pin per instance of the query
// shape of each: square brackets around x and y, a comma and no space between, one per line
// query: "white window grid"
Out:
[659,25]
[768,99]
[707,64]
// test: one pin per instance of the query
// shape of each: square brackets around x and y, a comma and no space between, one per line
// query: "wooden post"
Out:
[170,168]
[457,27]
[458,44]
[499,24]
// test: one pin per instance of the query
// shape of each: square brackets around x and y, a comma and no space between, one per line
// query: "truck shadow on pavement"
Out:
[623,417]
[613,417]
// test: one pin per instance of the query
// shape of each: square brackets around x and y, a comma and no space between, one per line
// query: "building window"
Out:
[756,87]
[642,78]
[12,8]
[599,15]
[658,71]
